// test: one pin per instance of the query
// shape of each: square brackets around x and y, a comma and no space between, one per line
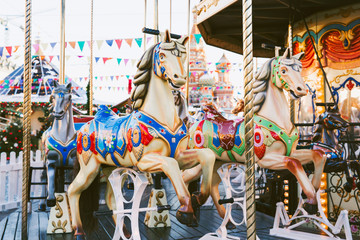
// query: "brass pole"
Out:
[62,43]
[26,120]
[292,101]
[249,124]
[188,58]
[91,59]
[156,20]
[170,16]
[144,41]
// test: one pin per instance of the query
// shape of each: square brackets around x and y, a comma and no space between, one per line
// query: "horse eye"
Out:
[283,71]
[162,56]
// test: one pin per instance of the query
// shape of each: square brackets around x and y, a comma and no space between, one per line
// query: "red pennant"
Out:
[106,58]
[118,42]
[51,58]
[117,77]
[9,49]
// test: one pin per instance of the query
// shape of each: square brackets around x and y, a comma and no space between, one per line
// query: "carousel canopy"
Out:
[43,75]
[220,21]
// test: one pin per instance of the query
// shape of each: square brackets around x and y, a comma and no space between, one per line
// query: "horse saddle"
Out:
[108,125]
[226,129]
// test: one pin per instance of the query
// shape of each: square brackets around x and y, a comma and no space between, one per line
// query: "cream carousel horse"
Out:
[152,138]
[275,136]
[59,141]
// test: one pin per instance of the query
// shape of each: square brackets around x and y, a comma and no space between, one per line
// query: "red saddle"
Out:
[226,128]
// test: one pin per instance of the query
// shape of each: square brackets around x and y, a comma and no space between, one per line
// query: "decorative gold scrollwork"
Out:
[59,214]
[59,225]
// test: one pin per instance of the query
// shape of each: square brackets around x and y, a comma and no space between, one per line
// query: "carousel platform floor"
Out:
[10,226]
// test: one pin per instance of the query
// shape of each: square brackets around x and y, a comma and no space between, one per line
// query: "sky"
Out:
[113,19]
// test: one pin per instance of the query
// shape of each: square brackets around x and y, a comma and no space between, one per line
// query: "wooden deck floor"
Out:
[10,226]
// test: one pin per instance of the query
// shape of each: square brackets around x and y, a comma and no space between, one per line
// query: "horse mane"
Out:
[260,85]
[142,78]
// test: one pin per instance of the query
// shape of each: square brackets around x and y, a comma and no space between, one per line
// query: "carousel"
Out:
[288,170]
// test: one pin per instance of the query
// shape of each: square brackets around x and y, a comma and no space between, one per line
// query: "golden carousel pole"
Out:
[26,120]
[249,123]
[188,57]
[62,43]
[292,101]
[91,59]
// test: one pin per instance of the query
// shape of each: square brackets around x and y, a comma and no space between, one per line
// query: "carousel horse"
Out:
[59,141]
[275,136]
[152,138]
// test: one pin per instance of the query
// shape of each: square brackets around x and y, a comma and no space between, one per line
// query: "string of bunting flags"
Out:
[9,50]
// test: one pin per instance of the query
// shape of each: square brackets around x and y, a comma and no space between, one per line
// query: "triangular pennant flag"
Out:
[138,41]
[127,76]
[118,42]
[118,60]
[53,44]
[81,45]
[97,59]
[72,44]
[16,48]
[51,58]
[9,49]
[89,43]
[112,78]
[58,57]
[129,41]
[109,42]
[100,88]
[44,46]
[126,61]
[133,62]
[148,39]
[118,88]
[95,88]
[117,77]
[67,57]
[197,37]
[1,51]
[99,43]
[109,88]
[105,59]
[36,47]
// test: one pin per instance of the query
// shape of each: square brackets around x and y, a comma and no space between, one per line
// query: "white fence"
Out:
[11,178]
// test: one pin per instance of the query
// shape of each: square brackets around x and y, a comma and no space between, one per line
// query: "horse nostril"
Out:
[299,88]
[176,76]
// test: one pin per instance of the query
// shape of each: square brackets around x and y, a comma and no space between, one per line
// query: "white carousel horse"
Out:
[59,141]
[152,138]
[275,136]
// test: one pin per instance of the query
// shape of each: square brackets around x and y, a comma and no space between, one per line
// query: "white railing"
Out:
[11,178]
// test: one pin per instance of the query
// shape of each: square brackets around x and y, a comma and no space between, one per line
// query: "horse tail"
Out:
[89,201]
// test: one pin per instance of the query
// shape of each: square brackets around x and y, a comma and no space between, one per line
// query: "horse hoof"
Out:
[310,208]
[230,225]
[186,218]
[195,204]
[42,207]
[50,202]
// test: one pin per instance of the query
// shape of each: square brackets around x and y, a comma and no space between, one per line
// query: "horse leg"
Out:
[51,162]
[278,162]
[191,174]
[206,159]
[319,159]
[156,163]
[81,182]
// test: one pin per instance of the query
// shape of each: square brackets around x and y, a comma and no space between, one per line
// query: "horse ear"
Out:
[68,86]
[286,53]
[56,84]
[167,37]
[299,56]
[183,40]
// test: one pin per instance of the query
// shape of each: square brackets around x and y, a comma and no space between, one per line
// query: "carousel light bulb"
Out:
[286,194]
[286,208]
[286,201]
[286,188]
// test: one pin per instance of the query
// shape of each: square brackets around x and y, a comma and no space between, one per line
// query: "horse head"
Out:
[60,99]
[169,61]
[286,74]
[240,104]
[331,119]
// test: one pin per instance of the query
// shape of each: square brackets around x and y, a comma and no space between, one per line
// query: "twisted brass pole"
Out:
[26,120]
[292,101]
[91,59]
[249,124]
[62,43]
